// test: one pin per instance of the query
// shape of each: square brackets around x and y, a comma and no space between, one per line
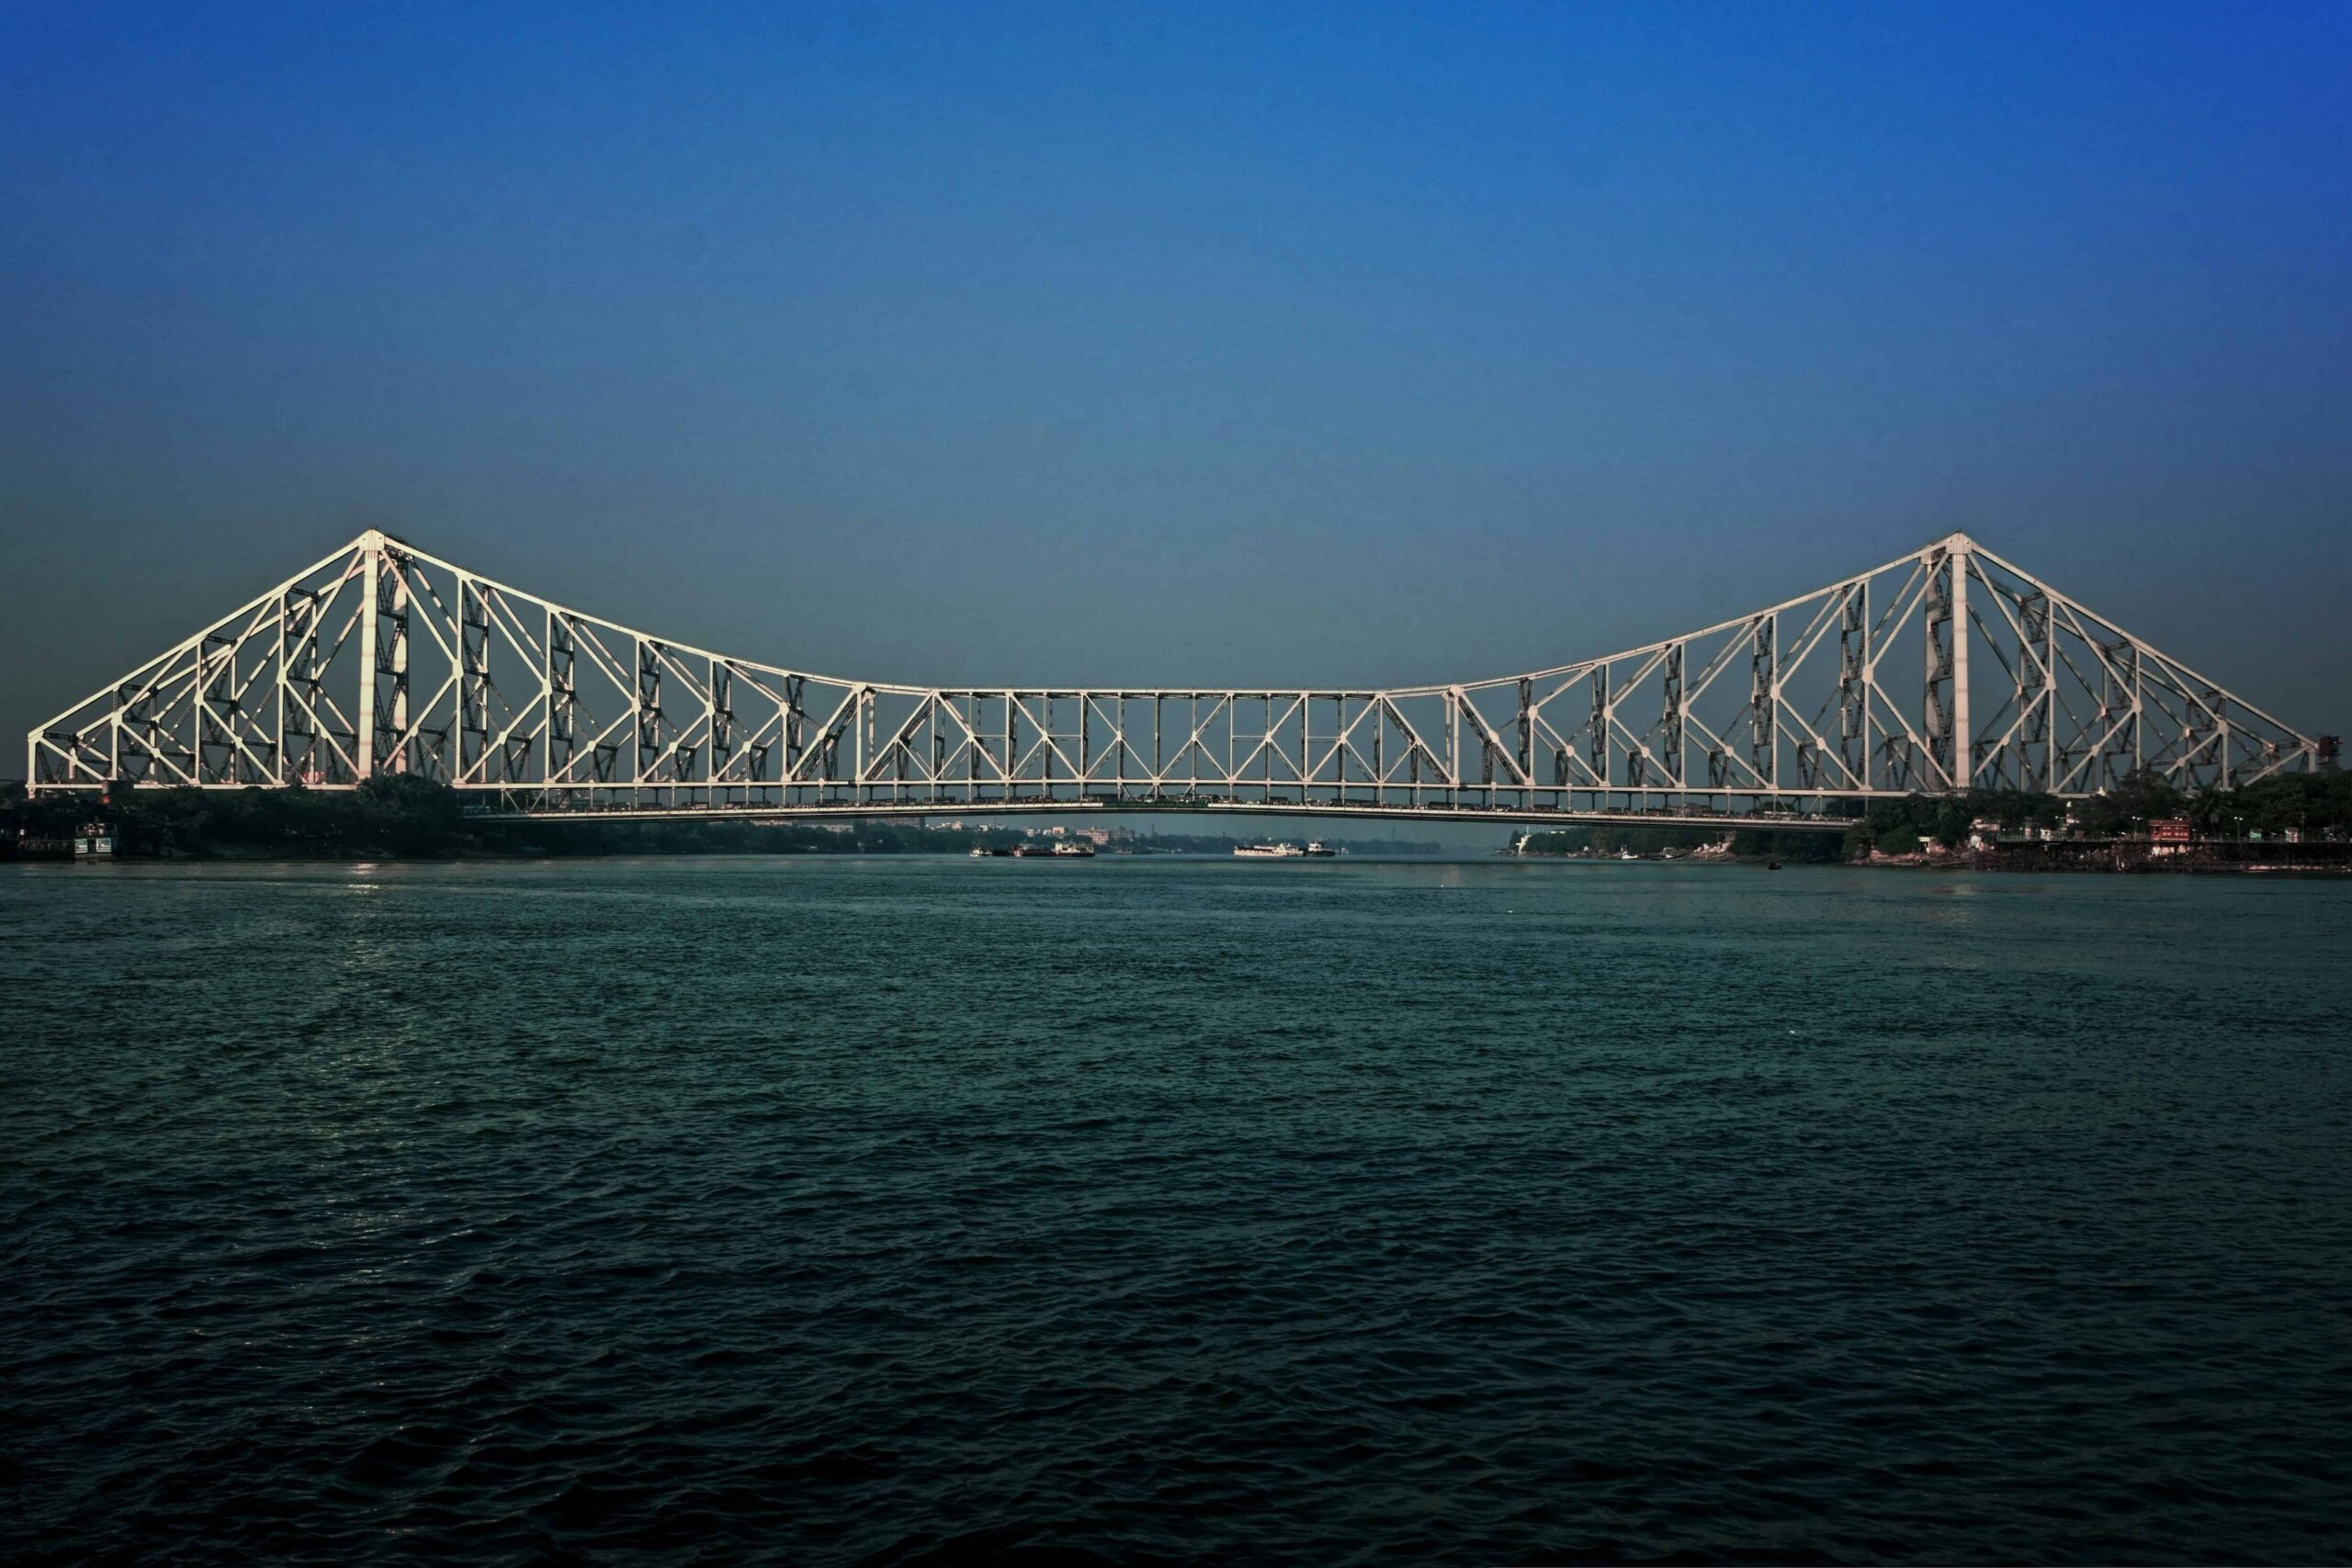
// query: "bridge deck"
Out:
[1426,814]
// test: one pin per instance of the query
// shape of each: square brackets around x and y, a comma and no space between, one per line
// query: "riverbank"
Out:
[2138,857]
[413,819]
[2295,823]
[2133,857]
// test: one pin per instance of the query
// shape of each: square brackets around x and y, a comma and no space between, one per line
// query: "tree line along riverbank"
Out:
[2308,813]
[405,817]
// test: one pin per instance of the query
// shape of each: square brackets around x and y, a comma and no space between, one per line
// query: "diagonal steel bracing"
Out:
[1944,670]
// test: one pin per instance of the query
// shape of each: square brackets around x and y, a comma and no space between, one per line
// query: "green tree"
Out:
[411,815]
[2137,799]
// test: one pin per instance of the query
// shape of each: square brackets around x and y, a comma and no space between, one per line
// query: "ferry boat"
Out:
[1070,849]
[1317,849]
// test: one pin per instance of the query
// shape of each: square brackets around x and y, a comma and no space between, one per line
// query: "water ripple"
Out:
[914,1212]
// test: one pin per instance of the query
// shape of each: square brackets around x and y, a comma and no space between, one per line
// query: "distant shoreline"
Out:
[2298,826]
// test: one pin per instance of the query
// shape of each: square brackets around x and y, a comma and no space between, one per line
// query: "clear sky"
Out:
[1169,343]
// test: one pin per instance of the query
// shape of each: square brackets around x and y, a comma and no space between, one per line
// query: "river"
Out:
[888,1211]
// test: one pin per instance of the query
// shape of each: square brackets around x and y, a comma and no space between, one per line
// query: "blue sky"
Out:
[1175,343]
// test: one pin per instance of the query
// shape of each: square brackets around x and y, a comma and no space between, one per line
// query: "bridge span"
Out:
[1945,670]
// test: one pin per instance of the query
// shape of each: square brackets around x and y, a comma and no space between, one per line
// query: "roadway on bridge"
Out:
[843,811]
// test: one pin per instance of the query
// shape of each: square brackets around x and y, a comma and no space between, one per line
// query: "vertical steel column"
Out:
[473,679]
[277,729]
[368,657]
[2049,656]
[720,711]
[648,713]
[862,734]
[2034,689]
[557,683]
[1596,734]
[2218,704]
[1526,741]
[1485,754]
[1943,733]
[208,728]
[1853,687]
[388,630]
[977,751]
[796,730]
[1453,747]
[1670,718]
[1963,731]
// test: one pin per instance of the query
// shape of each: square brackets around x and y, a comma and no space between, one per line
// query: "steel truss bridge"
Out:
[1943,671]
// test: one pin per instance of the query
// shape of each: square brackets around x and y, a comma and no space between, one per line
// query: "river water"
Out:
[850,1211]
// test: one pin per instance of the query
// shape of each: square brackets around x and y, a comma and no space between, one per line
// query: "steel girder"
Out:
[383,659]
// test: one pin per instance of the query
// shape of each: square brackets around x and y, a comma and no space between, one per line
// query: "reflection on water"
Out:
[844,1211]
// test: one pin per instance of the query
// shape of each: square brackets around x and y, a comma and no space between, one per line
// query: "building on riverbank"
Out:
[2164,851]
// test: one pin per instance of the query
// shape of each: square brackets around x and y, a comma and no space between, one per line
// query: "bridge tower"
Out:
[1949,738]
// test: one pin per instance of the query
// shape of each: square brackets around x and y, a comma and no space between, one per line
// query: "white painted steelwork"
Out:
[383,659]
